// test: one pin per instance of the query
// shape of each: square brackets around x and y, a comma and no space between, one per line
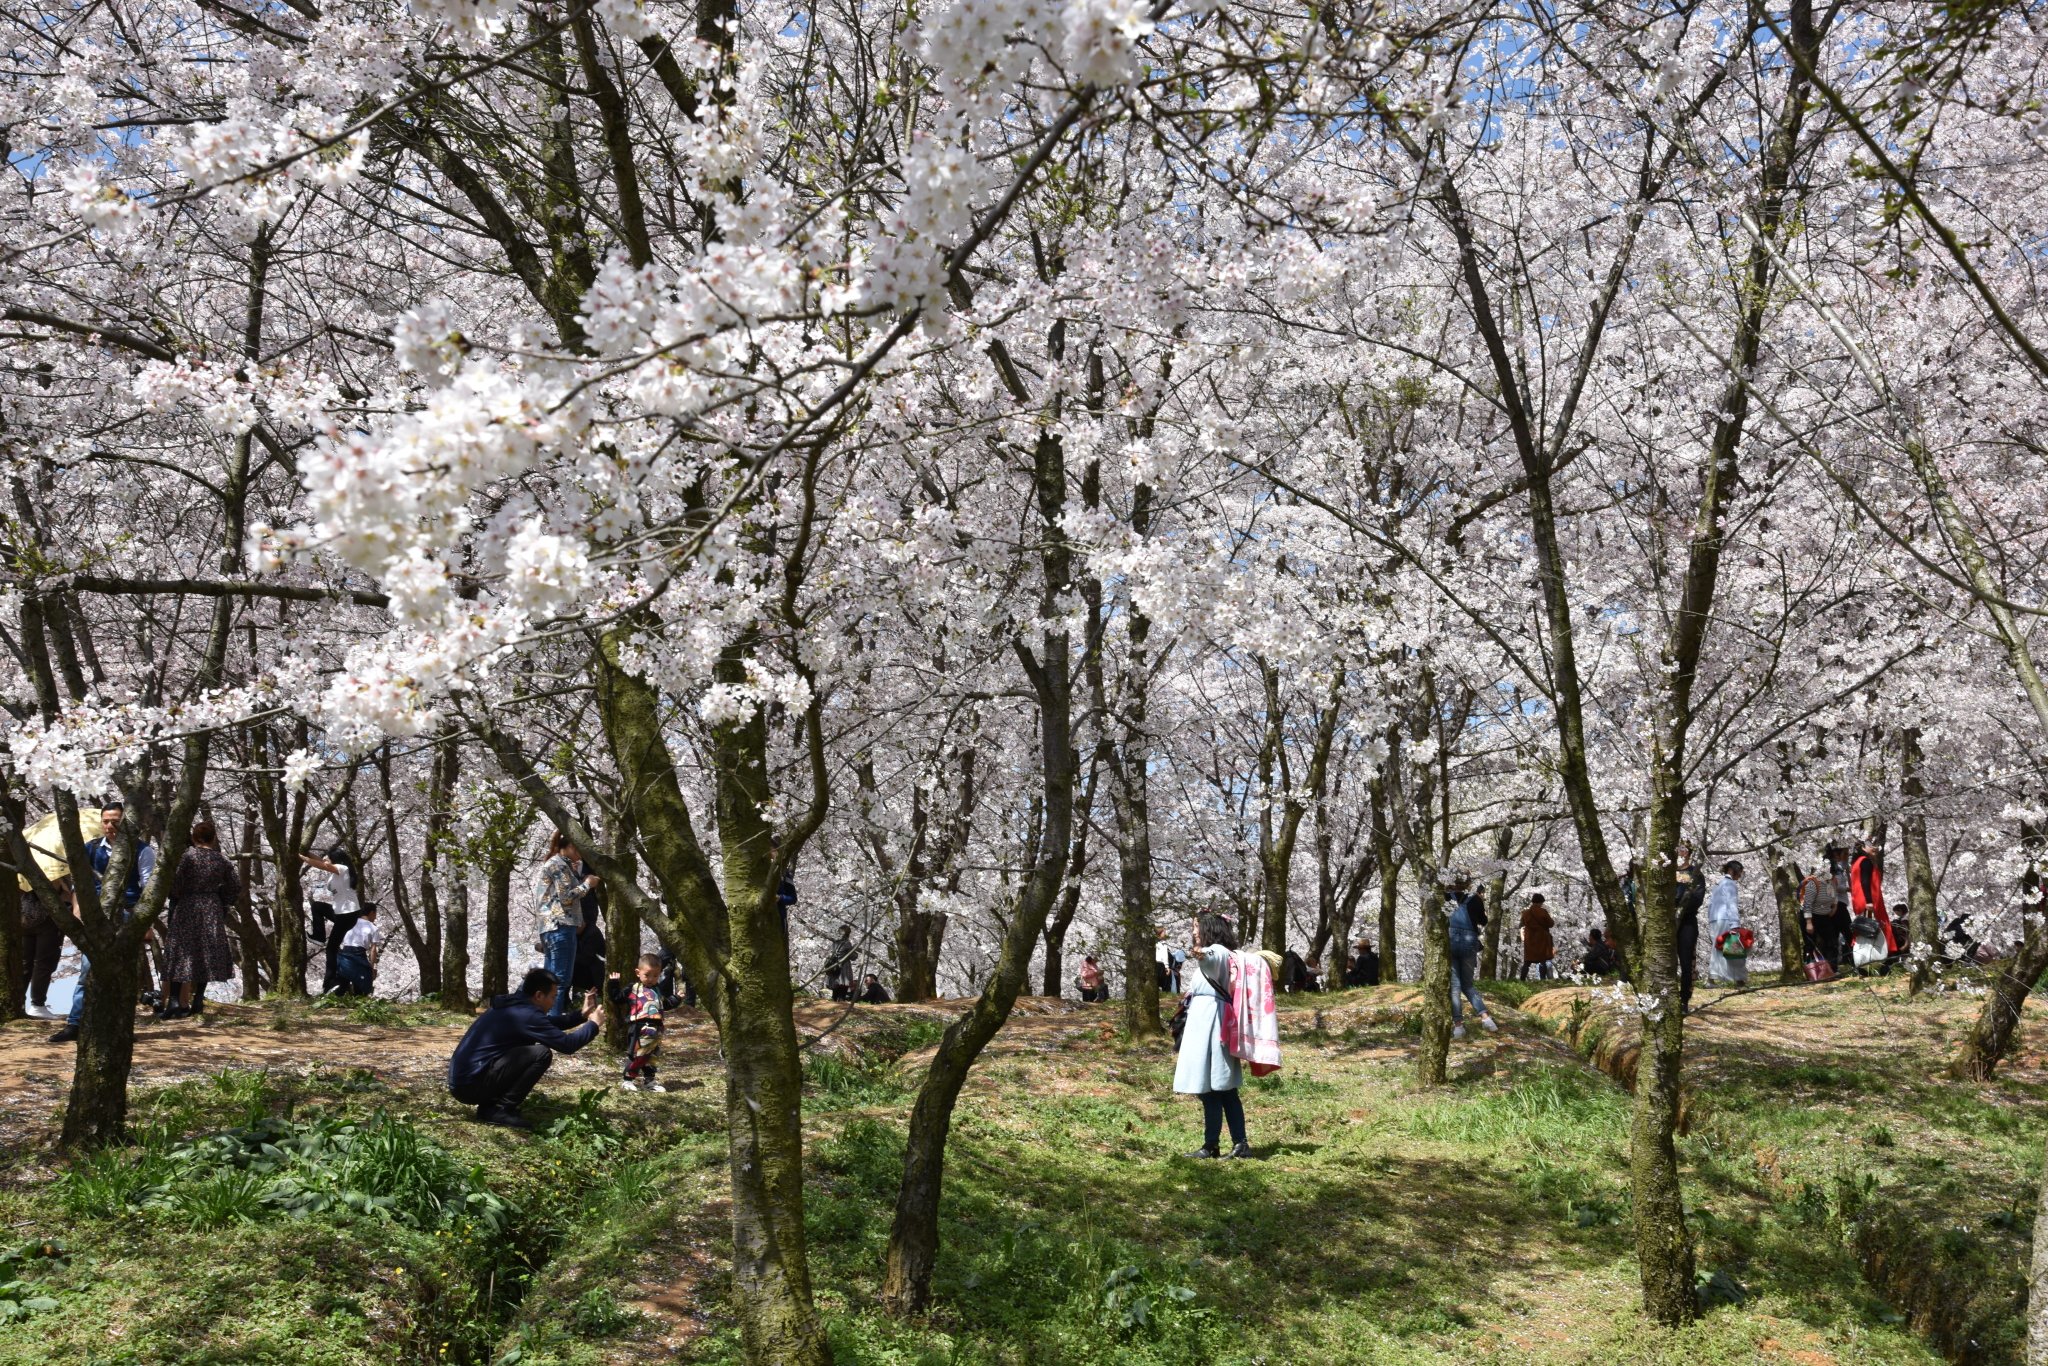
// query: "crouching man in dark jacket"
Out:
[510,1046]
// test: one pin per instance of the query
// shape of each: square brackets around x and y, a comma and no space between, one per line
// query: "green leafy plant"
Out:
[20,1298]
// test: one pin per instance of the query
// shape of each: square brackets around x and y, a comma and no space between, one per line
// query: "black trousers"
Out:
[1827,937]
[511,1075]
[1688,957]
[42,945]
[337,926]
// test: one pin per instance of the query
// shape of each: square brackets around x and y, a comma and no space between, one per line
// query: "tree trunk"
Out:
[1432,1061]
[621,934]
[1664,1254]
[920,935]
[1132,802]
[1785,889]
[764,1132]
[1390,883]
[1496,903]
[1991,1038]
[96,1115]
[914,1234]
[498,926]
[1922,913]
[291,924]
[455,944]
[425,940]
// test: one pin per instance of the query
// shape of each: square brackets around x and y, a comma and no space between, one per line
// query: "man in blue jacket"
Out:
[510,1047]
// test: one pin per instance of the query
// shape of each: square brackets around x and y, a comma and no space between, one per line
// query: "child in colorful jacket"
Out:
[642,1003]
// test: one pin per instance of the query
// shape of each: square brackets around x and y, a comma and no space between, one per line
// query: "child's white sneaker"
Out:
[654,1086]
[629,1085]
[1487,1022]
[1457,1031]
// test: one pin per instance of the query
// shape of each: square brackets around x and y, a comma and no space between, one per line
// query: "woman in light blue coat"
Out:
[1724,913]
[1203,1067]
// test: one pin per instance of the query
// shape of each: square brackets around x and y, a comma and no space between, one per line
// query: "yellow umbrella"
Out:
[46,843]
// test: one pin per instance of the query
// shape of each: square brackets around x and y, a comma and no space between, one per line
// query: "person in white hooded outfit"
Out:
[1203,1066]
[1724,913]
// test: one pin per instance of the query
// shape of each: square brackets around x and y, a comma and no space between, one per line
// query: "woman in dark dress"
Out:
[196,947]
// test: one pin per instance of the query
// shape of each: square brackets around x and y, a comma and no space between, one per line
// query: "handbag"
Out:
[1819,969]
[1731,945]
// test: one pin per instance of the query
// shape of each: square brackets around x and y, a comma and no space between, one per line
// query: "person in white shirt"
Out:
[360,949]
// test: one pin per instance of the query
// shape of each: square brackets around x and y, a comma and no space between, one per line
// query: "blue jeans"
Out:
[1218,1106]
[558,955]
[77,1011]
[1465,982]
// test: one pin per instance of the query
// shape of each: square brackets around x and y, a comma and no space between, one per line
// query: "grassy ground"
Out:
[1851,1205]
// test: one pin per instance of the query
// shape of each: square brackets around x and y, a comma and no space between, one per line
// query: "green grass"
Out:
[1850,1204]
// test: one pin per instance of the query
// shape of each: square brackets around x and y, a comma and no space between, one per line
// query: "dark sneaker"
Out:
[503,1116]
[1241,1150]
[68,1034]
[1203,1153]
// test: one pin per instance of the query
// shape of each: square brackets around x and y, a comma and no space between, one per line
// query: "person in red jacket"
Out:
[1866,893]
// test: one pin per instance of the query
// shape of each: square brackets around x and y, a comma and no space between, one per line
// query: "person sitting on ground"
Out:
[1092,988]
[1539,950]
[873,993]
[839,965]
[356,968]
[1313,971]
[1600,959]
[509,1047]
[642,1004]
[1365,967]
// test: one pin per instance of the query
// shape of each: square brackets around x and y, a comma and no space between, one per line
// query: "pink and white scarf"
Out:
[1251,1020]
